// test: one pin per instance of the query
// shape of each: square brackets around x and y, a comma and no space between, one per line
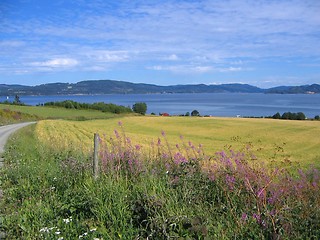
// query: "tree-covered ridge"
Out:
[309,89]
[121,87]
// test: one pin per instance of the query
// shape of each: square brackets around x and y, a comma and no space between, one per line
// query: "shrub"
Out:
[140,108]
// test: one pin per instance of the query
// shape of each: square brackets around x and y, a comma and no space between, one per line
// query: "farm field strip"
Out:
[56,113]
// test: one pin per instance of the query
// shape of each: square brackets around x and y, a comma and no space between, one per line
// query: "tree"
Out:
[317,117]
[195,113]
[17,100]
[286,115]
[140,108]
[276,116]
[187,114]
[300,116]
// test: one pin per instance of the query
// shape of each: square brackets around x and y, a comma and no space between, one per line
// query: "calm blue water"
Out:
[215,104]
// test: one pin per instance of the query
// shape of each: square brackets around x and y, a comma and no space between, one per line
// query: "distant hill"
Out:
[121,87]
[309,89]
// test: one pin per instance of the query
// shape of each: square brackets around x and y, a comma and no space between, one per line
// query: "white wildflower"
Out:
[45,229]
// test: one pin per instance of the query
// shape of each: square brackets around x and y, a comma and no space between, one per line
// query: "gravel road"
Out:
[5,132]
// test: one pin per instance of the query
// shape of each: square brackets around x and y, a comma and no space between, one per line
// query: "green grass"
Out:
[58,113]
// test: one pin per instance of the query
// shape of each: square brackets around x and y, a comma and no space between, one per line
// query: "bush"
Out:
[140,108]
[195,113]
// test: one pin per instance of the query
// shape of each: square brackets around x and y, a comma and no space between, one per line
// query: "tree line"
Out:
[140,107]
[292,116]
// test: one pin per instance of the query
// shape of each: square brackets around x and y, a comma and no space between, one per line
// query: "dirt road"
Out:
[5,132]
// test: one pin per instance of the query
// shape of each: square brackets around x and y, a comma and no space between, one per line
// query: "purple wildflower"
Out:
[257,217]
[244,217]
[116,133]
[179,158]
[138,147]
[163,133]
[230,180]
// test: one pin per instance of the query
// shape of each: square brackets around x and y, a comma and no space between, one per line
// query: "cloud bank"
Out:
[209,38]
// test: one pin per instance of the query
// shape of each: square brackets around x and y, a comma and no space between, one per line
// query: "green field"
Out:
[290,142]
[57,113]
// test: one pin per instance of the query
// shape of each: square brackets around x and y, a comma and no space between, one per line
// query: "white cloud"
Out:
[96,68]
[184,69]
[56,63]
[108,56]
[172,57]
[231,69]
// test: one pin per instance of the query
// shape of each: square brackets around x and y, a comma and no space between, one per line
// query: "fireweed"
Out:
[274,201]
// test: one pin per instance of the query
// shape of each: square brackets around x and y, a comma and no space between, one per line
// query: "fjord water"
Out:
[215,104]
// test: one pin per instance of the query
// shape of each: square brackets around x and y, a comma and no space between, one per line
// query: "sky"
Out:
[264,43]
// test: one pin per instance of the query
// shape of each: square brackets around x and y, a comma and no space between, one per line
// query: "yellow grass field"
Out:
[269,140]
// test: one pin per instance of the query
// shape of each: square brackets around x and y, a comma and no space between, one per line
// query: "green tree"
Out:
[17,100]
[195,113]
[187,114]
[276,116]
[300,116]
[317,117]
[286,115]
[140,108]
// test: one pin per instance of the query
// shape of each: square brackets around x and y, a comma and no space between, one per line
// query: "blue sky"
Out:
[264,43]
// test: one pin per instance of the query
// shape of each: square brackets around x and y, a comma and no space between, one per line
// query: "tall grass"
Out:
[7,117]
[163,191]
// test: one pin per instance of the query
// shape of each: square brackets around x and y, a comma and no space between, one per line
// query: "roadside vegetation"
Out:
[164,192]
[8,116]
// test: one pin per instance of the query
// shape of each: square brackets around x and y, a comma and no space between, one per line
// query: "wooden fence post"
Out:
[96,157]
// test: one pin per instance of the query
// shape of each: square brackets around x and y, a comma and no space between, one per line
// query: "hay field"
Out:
[269,140]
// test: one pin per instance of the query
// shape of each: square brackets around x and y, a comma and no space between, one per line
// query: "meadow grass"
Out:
[58,113]
[272,141]
[49,193]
